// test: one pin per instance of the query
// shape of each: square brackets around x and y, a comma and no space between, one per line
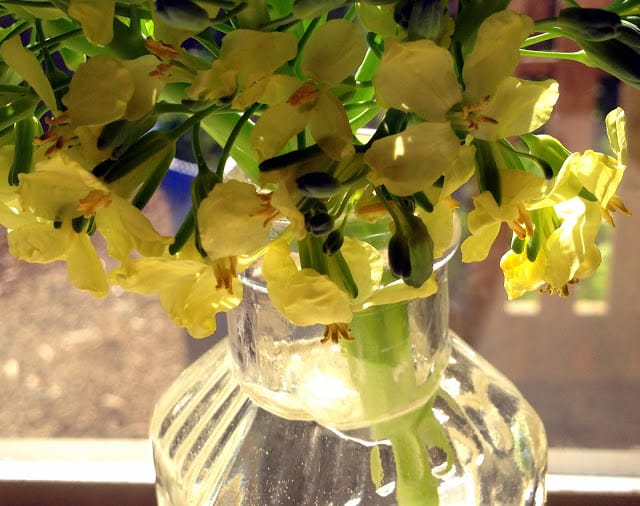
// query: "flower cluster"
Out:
[355,124]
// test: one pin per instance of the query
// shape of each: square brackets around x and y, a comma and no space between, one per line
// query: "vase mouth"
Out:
[254,279]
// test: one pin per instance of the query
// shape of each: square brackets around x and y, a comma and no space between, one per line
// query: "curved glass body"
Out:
[273,417]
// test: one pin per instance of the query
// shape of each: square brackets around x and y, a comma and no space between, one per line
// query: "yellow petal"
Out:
[329,126]
[268,50]
[403,80]
[96,18]
[476,247]
[405,163]
[304,297]
[100,91]
[599,173]
[276,127]
[568,245]
[366,266]
[215,83]
[616,125]
[26,64]
[146,88]
[126,228]
[334,52]
[521,275]
[85,267]
[518,107]
[439,222]
[37,242]
[233,220]
[398,291]
[193,303]
[495,55]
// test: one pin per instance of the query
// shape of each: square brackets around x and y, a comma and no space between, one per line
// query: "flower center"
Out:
[522,226]
[471,116]
[306,96]
[95,200]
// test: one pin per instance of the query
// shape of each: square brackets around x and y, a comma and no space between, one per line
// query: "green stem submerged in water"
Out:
[382,365]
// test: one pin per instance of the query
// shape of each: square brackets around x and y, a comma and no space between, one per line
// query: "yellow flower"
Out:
[568,252]
[598,173]
[105,89]
[334,51]
[234,220]
[241,77]
[406,164]
[188,287]
[96,18]
[60,190]
[484,221]
[492,106]
[306,297]
[37,240]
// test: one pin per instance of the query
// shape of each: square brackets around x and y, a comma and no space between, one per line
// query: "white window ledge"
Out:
[129,461]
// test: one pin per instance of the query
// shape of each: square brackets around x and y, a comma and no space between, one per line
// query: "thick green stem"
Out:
[381,361]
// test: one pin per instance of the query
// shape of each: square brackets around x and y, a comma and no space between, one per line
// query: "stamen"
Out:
[474,120]
[160,49]
[522,226]
[615,205]
[224,270]
[95,200]
[336,331]
[63,118]
[161,71]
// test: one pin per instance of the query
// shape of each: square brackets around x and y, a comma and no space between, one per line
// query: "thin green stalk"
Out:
[577,56]
[54,41]
[233,135]
[537,39]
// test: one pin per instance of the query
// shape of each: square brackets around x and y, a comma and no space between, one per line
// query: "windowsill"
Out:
[85,471]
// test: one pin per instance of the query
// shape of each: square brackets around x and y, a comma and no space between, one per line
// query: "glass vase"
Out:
[406,414]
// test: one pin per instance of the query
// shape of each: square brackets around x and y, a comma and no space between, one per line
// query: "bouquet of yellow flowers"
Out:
[286,88]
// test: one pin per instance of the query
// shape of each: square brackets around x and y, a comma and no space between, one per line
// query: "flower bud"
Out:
[24,130]
[318,185]
[614,57]
[333,242]
[589,24]
[182,15]
[410,250]
[629,33]
[399,256]
[423,19]
[319,224]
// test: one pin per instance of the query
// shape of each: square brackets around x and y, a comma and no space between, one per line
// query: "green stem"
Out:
[577,56]
[381,363]
[54,41]
[233,135]
[537,39]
